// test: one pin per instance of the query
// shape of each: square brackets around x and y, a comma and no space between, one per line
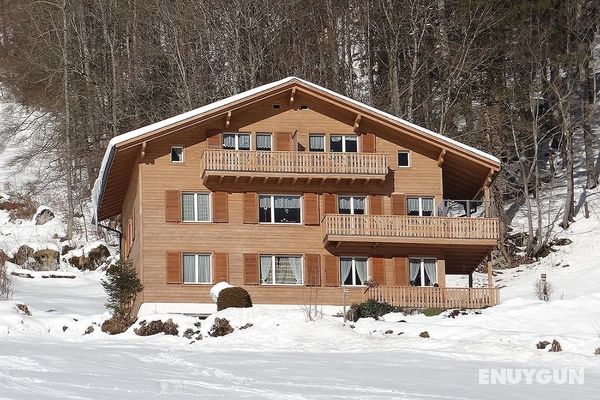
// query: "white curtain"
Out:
[415,267]
[336,138]
[265,269]
[265,201]
[203,207]
[344,205]
[244,141]
[359,205]
[204,268]
[229,140]
[346,267]
[296,263]
[263,142]
[413,205]
[361,270]
[187,203]
[317,143]
[430,270]
[189,268]
[287,202]
[427,206]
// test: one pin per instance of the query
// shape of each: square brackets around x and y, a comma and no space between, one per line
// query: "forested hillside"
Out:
[513,78]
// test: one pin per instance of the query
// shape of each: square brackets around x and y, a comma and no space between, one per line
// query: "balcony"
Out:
[409,229]
[438,297]
[293,164]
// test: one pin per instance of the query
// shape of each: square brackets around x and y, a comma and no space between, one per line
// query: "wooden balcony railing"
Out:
[404,226]
[425,297]
[296,162]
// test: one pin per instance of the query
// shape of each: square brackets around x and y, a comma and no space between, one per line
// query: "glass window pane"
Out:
[287,209]
[346,271]
[187,207]
[244,141]
[351,144]
[176,154]
[316,143]
[189,268]
[335,143]
[415,271]
[266,270]
[403,159]
[229,141]
[284,273]
[203,207]
[344,205]
[264,209]
[427,203]
[263,142]
[413,206]
[361,270]
[359,205]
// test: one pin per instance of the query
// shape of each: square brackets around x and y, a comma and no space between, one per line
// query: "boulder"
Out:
[65,249]
[424,334]
[45,260]
[221,327]
[94,258]
[44,216]
[22,255]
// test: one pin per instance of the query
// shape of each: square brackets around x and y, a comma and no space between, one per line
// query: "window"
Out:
[195,207]
[421,206]
[263,141]
[316,143]
[351,205]
[281,270]
[177,154]
[353,271]
[196,268]
[276,106]
[343,143]
[279,209]
[423,271]
[404,159]
[236,141]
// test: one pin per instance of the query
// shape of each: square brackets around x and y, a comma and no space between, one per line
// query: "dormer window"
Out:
[236,141]
[177,154]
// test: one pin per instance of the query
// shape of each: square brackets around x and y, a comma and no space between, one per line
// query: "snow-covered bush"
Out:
[5,283]
[370,309]
[542,290]
[235,297]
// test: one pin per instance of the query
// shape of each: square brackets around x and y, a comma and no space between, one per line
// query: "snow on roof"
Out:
[98,189]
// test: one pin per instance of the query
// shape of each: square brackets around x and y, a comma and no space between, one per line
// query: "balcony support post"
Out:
[471,279]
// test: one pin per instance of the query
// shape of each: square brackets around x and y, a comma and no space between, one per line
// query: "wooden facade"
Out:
[145,187]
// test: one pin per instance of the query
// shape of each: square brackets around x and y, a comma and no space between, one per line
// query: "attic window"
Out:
[177,154]
[304,107]
[404,159]
[276,106]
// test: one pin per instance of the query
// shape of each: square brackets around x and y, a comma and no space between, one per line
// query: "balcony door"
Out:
[423,271]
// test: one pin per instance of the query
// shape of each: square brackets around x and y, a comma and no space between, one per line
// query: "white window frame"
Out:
[273,256]
[409,158]
[353,271]
[422,269]
[270,134]
[344,136]
[273,209]
[210,208]
[196,255]
[182,155]
[433,212]
[237,141]
[352,197]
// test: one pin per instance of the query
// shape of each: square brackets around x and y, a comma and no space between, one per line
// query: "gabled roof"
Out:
[149,132]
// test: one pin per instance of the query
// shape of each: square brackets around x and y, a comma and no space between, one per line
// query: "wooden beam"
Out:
[440,159]
[292,96]
[143,152]
[357,122]
[228,119]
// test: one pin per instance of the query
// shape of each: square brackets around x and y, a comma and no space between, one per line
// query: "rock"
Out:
[400,333]
[562,242]
[89,330]
[3,258]
[156,327]
[555,347]
[189,333]
[221,327]
[23,309]
[44,216]
[246,326]
[65,249]
[597,352]
[57,276]
[22,274]
[45,260]
[92,260]
[424,334]
[65,328]
[22,255]
[389,332]
[542,344]
[116,325]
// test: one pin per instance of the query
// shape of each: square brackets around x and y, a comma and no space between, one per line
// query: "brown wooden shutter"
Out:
[220,267]
[378,270]
[332,271]
[312,270]
[213,138]
[174,267]
[399,204]
[250,210]
[400,271]
[330,203]
[220,207]
[368,143]
[251,275]
[173,206]
[375,205]
[283,141]
[311,209]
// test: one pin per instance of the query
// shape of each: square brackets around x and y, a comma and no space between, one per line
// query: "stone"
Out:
[44,216]
[22,255]
[221,327]
[89,330]
[542,344]
[424,334]
[65,249]
[555,347]
[156,327]
[45,260]
[90,262]
[389,332]
[189,333]
[246,326]
[23,309]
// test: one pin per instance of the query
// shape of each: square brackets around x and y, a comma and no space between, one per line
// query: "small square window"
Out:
[304,107]
[176,154]
[276,106]
[403,159]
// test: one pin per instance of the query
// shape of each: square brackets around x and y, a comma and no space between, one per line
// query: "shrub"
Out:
[432,311]
[235,297]
[370,308]
[542,290]
[221,327]
[6,288]
[155,327]
[122,286]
